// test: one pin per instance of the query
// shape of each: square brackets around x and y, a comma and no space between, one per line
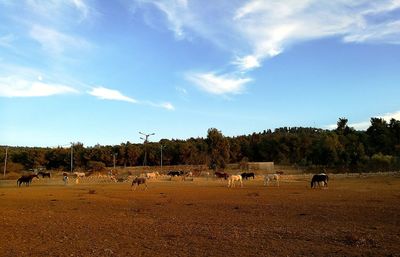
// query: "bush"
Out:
[381,162]
[13,167]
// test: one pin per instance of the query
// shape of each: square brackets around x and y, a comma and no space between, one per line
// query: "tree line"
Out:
[341,149]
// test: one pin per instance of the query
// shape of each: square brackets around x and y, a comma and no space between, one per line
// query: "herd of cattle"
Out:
[318,180]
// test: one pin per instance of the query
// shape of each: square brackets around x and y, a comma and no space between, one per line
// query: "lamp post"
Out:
[145,140]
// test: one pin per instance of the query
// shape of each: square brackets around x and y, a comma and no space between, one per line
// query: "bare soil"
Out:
[354,217]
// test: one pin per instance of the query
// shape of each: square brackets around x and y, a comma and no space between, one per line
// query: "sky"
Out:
[100,72]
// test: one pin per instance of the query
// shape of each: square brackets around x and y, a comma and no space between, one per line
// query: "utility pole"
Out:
[145,140]
[114,156]
[161,148]
[72,156]
[5,162]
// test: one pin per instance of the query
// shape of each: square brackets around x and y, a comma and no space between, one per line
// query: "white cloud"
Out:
[56,10]
[259,29]
[173,11]
[55,42]
[387,32]
[218,85]
[392,115]
[247,62]
[19,87]
[82,7]
[270,26]
[363,125]
[167,106]
[110,94]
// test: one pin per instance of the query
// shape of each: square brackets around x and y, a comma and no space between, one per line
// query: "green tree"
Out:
[379,137]
[218,149]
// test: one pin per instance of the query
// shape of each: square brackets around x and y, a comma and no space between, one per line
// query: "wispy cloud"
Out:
[110,94]
[166,105]
[56,10]
[247,62]
[55,42]
[114,95]
[218,84]
[83,8]
[260,29]
[271,26]
[380,33]
[173,10]
[19,87]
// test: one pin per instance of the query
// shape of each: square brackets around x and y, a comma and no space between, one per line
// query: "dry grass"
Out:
[354,217]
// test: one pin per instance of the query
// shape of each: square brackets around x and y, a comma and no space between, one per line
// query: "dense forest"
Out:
[341,149]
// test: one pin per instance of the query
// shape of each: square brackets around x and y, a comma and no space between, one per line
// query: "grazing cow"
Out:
[247,175]
[232,180]
[137,181]
[44,174]
[27,179]
[271,177]
[319,178]
[223,175]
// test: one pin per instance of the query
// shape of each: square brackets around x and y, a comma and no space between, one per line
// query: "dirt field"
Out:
[354,217]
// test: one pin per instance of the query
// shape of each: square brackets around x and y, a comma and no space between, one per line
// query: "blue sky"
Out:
[101,71]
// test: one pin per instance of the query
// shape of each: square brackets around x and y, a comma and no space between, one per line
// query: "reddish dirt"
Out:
[354,217]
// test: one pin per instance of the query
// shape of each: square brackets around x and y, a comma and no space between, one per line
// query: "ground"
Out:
[357,216]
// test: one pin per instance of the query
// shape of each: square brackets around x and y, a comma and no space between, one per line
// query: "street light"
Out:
[145,140]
